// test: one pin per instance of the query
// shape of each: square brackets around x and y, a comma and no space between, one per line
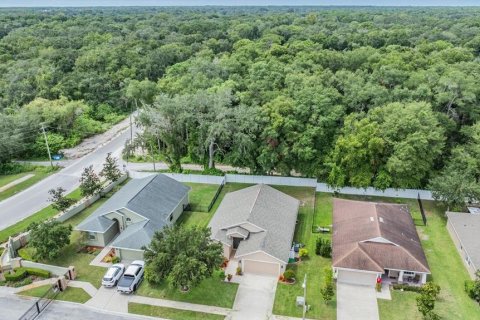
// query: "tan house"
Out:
[464,228]
[256,227]
[376,240]
[128,220]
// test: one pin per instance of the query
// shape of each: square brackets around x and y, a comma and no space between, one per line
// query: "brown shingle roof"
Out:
[375,236]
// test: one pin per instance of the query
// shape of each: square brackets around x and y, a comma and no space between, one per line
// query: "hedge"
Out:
[38,272]
[16,275]
[406,287]
[21,273]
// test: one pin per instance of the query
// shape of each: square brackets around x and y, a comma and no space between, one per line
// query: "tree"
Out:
[58,199]
[426,300]
[49,238]
[110,169]
[183,256]
[90,182]
[327,289]
[459,181]
[391,146]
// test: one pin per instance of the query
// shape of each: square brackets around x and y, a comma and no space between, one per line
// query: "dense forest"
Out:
[354,96]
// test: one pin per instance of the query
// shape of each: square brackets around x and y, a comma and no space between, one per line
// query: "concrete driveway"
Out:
[255,297]
[109,299]
[356,302]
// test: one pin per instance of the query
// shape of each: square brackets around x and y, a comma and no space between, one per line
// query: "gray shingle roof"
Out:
[467,227]
[153,197]
[264,207]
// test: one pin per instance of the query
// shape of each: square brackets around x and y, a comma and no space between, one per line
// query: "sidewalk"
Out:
[97,261]
[86,286]
[180,305]
[15,182]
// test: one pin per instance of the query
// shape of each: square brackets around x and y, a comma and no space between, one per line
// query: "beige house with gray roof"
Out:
[256,227]
[464,228]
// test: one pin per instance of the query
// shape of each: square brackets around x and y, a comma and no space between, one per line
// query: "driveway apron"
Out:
[356,302]
[255,297]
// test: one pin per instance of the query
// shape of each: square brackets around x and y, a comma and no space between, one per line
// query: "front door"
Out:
[236,242]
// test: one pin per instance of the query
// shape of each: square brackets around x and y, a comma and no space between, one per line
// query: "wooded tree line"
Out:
[362,97]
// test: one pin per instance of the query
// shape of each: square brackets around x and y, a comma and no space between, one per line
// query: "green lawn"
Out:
[41,215]
[212,292]
[312,266]
[39,174]
[170,313]
[201,195]
[192,218]
[70,294]
[70,257]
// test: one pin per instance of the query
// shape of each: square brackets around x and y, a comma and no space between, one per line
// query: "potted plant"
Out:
[229,277]
[239,271]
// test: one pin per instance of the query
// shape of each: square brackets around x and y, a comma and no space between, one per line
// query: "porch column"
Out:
[424,278]
[400,276]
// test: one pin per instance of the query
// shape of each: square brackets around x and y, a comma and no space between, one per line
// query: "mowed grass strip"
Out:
[40,216]
[70,294]
[313,266]
[170,313]
[39,174]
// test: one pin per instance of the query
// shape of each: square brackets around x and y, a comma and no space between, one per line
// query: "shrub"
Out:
[472,288]
[116,259]
[222,275]
[289,275]
[303,253]
[16,275]
[27,253]
[323,247]
[406,287]
[22,283]
[38,272]
[327,290]
[239,271]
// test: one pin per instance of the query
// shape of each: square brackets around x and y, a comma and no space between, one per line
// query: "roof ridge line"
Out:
[377,222]
[254,201]
[414,258]
[373,260]
[136,194]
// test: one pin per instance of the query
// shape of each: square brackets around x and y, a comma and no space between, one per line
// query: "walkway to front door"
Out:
[255,297]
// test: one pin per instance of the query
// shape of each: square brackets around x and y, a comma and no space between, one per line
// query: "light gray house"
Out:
[256,227]
[128,220]
[464,228]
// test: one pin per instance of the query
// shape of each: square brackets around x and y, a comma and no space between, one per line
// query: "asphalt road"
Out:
[13,307]
[35,198]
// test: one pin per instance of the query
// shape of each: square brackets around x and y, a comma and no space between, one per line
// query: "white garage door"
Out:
[258,267]
[130,255]
[357,277]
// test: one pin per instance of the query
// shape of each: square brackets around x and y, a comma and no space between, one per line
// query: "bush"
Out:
[289,275]
[239,271]
[38,272]
[303,253]
[22,283]
[323,247]
[17,275]
[116,259]
[406,287]
[27,253]
[472,288]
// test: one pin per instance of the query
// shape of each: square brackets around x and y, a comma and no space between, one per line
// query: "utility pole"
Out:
[48,148]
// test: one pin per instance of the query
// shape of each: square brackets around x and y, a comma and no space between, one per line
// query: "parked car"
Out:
[114,273]
[132,277]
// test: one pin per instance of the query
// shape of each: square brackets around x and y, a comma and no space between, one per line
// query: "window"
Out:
[129,219]
[92,236]
[409,273]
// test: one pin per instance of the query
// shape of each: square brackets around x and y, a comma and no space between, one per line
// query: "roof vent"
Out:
[372,219]
[381,219]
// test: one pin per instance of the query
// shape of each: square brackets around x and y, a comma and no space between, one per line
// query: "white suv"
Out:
[132,277]
[114,273]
